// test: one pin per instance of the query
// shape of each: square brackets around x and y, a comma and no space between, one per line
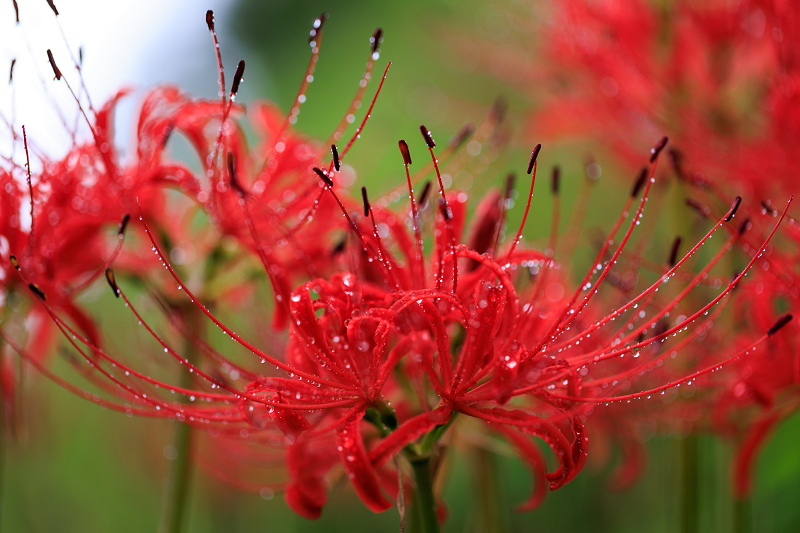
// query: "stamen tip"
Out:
[323,176]
[404,150]
[640,180]
[734,207]
[785,319]
[237,78]
[534,155]
[366,201]
[335,153]
[426,134]
[655,150]
[53,64]
[37,291]
[556,181]
[112,281]
[210,20]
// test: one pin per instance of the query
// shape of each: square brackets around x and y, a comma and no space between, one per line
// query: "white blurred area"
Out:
[125,43]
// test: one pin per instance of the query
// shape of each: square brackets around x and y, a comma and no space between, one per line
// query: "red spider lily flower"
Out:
[456,328]
[720,79]
[385,353]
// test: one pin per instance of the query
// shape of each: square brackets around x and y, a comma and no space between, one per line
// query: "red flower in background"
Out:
[721,80]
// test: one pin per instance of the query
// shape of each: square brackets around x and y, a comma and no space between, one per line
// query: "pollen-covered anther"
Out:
[366,201]
[534,155]
[14,262]
[404,150]
[655,150]
[426,134]
[237,78]
[782,321]
[37,291]
[335,154]
[323,176]
[734,207]
[210,20]
[53,64]
[112,281]
[640,180]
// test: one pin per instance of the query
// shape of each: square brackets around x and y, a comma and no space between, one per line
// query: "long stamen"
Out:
[446,212]
[418,260]
[228,331]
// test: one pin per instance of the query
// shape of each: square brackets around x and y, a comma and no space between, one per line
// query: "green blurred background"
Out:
[83,469]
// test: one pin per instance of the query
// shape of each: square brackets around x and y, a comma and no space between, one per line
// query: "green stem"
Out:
[689,484]
[743,515]
[176,493]
[489,504]
[424,500]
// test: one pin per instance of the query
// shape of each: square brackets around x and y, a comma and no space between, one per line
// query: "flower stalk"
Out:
[424,500]
[689,483]
[176,493]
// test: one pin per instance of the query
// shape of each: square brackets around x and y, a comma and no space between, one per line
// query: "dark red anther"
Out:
[404,150]
[339,248]
[499,109]
[423,196]
[210,20]
[16,10]
[318,22]
[426,134]
[324,177]
[53,64]
[11,71]
[534,155]
[510,179]
[112,281]
[232,175]
[733,283]
[123,224]
[732,211]
[655,150]
[445,209]
[37,291]
[237,77]
[782,321]
[673,253]
[676,158]
[366,201]
[556,181]
[768,209]
[14,262]
[640,180]
[462,135]
[375,40]
[694,204]
[52,6]
[744,226]
[335,153]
